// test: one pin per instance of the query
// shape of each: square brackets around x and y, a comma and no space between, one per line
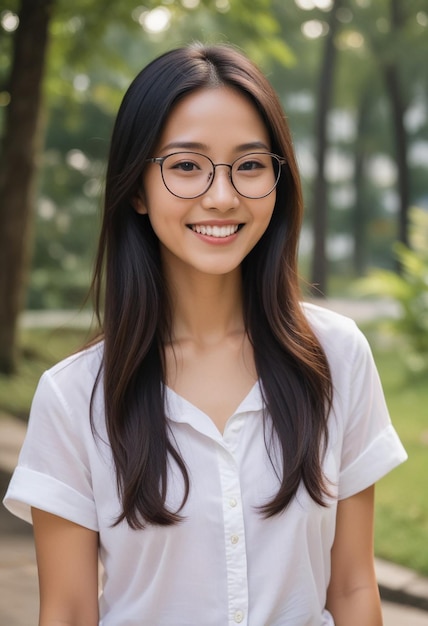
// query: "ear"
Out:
[139,203]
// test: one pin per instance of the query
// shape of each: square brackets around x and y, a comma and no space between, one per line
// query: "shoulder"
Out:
[341,339]
[83,364]
[74,377]
[326,322]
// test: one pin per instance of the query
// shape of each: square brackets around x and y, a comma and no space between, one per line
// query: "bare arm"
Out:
[67,562]
[353,595]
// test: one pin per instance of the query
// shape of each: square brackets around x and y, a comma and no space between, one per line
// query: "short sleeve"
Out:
[371,447]
[53,472]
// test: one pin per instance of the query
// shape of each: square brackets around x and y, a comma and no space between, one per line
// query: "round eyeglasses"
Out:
[189,175]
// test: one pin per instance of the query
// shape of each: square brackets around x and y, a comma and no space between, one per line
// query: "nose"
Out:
[221,195]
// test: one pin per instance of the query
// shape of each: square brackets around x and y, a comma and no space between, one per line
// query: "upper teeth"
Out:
[216,231]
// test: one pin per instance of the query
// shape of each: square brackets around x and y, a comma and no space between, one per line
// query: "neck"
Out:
[206,308]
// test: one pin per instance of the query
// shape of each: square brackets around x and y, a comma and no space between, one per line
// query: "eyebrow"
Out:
[194,145]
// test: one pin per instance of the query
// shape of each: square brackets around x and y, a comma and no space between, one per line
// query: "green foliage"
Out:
[401,512]
[409,289]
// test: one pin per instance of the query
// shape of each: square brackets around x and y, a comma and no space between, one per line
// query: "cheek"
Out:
[158,223]
[153,192]
[265,212]
[167,218]
[263,218]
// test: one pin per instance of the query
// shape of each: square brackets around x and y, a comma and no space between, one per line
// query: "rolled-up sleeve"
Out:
[53,471]
[371,447]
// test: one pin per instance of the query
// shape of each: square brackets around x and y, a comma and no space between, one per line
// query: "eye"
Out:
[252,164]
[183,163]
[185,166]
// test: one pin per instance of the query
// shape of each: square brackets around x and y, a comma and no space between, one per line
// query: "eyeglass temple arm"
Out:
[156,160]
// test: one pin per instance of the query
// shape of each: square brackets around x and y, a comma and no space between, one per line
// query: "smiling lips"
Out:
[219,232]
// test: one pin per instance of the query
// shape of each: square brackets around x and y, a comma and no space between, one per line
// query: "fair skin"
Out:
[353,595]
[209,351]
[67,562]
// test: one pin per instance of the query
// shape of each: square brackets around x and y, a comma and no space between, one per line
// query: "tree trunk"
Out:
[319,202]
[398,110]
[360,208]
[18,168]
[392,80]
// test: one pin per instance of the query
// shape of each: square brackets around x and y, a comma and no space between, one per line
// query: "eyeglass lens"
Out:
[190,174]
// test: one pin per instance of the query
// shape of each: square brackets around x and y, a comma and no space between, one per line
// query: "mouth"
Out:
[219,232]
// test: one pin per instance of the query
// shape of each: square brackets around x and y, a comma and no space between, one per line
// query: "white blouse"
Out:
[224,564]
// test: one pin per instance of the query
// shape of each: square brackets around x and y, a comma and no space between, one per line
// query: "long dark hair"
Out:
[131,300]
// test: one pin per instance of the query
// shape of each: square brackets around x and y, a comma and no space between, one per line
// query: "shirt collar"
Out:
[180,410]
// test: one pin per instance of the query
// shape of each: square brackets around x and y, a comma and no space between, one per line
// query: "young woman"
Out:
[216,449]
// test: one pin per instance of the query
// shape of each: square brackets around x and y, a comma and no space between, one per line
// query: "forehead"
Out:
[214,118]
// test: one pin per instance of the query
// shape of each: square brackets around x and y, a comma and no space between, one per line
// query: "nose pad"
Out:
[221,194]
[217,175]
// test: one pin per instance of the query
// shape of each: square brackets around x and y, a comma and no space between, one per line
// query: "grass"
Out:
[402,496]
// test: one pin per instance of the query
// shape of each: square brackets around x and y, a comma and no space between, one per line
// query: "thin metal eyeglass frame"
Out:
[160,162]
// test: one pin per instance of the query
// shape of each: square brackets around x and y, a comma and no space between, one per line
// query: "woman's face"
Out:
[215,231]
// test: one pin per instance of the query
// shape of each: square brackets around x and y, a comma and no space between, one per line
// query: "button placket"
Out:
[234,530]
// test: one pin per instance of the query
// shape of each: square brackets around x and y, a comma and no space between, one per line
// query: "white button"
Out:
[238,617]
[232,502]
[234,539]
